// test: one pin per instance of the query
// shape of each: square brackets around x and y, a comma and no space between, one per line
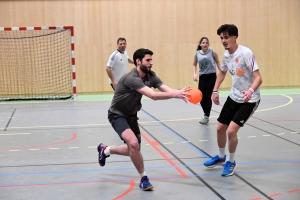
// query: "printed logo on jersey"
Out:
[240,72]
[237,61]
[204,64]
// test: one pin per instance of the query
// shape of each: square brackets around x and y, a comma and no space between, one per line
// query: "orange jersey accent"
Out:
[239,71]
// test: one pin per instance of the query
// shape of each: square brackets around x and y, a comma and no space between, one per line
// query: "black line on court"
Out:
[9,119]
[268,131]
[235,174]
[192,171]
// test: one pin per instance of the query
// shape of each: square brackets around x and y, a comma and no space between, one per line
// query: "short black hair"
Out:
[231,29]
[120,39]
[140,54]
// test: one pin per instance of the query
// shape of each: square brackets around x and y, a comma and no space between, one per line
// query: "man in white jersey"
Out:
[118,63]
[243,100]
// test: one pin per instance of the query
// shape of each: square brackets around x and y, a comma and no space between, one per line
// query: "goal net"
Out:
[37,63]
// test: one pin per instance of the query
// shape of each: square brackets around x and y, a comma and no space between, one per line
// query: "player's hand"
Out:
[114,83]
[195,78]
[183,94]
[215,98]
[247,94]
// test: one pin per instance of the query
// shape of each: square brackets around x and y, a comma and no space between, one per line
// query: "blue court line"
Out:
[176,135]
[149,167]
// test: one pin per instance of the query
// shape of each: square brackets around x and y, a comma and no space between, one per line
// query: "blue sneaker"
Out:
[145,184]
[212,162]
[102,156]
[229,168]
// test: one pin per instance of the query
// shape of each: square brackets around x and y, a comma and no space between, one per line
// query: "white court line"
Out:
[9,134]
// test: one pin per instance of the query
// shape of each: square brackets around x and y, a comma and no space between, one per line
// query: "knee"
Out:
[231,134]
[134,145]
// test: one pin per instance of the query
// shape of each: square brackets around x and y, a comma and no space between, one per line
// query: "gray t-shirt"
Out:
[207,63]
[127,100]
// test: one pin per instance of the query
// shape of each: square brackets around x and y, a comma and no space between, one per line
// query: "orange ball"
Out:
[195,95]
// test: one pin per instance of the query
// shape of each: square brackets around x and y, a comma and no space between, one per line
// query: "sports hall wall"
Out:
[172,29]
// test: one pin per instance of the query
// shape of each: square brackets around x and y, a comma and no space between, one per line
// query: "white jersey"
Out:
[241,64]
[118,62]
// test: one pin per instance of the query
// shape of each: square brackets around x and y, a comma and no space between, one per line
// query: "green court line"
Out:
[108,97]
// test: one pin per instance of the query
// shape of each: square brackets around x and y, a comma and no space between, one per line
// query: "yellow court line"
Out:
[174,120]
[9,134]
[291,100]
[168,143]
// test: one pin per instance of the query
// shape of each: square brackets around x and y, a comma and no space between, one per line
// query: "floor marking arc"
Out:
[42,145]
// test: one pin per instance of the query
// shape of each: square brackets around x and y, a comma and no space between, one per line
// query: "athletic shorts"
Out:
[237,112]
[122,122]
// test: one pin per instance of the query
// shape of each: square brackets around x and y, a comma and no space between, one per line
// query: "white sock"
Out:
[143,174]
[107,151]
[221,152]
[231,157]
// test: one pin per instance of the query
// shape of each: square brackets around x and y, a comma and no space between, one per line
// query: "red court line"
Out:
[132,183]
[274,195]
[153,144]
[292,191]
[42,145]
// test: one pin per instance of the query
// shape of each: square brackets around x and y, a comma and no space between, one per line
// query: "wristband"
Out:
[251,90]
[216,92]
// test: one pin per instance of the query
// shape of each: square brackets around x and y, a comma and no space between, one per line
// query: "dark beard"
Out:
[145,69]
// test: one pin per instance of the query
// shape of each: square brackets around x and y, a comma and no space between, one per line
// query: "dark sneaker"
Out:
[145,184]
[229,168]
[102,156]
[212,162]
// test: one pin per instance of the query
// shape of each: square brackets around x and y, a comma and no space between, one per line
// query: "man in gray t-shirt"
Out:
[126,102]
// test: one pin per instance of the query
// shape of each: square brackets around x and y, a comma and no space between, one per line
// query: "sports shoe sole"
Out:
[203,122]
[148,188]
[231,172]
[218,164]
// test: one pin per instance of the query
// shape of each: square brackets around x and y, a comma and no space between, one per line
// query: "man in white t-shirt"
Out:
[243,100]
[118,63]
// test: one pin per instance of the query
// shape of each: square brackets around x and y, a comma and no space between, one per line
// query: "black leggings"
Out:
[206,85]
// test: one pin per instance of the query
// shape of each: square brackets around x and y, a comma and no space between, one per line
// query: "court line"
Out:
[9,134]
[154,145]
[202,152]
[42,145]
[291,101]
[146,122]
[132,183]
[9,119]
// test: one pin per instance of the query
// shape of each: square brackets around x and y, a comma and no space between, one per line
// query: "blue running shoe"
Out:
[145,184]
[212,162]
[102,156]
[229,168]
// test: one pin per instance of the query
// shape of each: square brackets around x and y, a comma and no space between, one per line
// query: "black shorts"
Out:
[237,112]
[122,122]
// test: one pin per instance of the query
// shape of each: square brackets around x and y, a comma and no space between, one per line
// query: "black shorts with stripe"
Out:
[237,112]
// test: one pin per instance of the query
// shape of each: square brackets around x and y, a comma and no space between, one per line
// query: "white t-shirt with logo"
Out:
[118,62]
[241,64]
